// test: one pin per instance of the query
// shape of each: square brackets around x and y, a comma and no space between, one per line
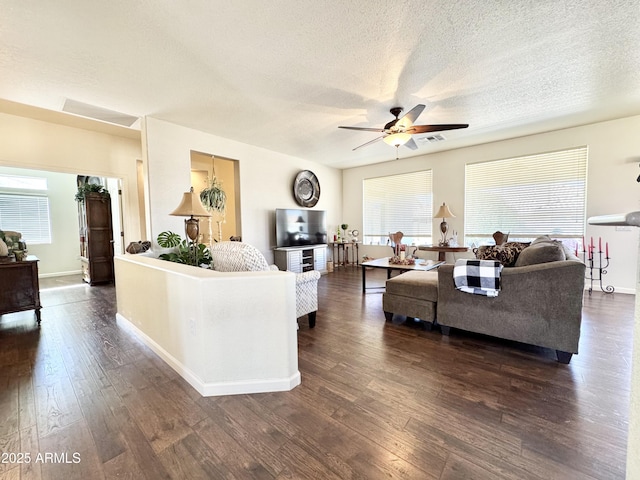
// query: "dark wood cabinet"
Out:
[19,286]
[96,238]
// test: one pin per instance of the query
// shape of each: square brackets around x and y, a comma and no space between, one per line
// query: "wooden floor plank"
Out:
[192,458]
[103,426]
[30,444]
[69,453]
[378,399]
[9,444]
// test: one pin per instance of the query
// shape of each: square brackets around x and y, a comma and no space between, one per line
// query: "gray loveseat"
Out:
[540,301]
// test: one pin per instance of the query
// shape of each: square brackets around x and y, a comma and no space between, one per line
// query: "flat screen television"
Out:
[297,227]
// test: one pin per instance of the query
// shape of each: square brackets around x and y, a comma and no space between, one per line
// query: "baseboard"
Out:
[209,389]
[624,291]
[59,274]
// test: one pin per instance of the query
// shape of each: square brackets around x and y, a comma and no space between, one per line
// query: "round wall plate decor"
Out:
[306,189]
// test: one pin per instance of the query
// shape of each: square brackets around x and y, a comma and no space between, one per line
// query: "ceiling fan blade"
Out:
[436,128]
[364,129]
[411,144]
[407,120]
[369,142]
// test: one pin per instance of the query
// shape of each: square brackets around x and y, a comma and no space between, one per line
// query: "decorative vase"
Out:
[4,250]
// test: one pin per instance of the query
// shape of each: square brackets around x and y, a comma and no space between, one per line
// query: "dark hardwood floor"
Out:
[82,399]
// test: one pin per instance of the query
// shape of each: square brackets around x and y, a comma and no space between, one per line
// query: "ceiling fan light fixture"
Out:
[397,139]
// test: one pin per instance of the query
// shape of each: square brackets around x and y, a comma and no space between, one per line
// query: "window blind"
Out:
[527,196]
[27,214]
[398,203]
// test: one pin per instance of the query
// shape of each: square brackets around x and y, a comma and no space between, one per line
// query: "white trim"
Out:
[217,388]
[60,274]
[624,291]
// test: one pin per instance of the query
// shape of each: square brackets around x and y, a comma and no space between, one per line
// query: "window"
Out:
[527,196]
[24,183]
[24,208]
[398,203]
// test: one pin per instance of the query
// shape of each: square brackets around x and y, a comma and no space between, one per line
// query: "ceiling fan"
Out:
[398,132]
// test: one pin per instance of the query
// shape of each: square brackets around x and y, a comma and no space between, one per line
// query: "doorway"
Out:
[60,254]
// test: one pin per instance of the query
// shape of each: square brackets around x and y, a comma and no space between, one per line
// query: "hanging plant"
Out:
[214,197]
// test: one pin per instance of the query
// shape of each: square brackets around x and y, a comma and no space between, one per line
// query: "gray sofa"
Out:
[540,301]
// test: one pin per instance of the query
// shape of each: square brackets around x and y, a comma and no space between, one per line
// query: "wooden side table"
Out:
[442,251]
[19,286]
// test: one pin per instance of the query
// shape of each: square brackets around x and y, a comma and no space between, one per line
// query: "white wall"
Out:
[611,184]
[199,319]
[266,180]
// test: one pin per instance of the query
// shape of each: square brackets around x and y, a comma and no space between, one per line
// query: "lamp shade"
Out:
[190,206]
[397,139]
[444,212]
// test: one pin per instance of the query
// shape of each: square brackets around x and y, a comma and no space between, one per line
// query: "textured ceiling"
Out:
[284,74]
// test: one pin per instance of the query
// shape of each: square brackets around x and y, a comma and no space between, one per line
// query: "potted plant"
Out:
[187,253]
[83,190]
[344,227]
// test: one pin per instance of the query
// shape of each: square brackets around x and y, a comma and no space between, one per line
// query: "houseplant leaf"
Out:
[168,239]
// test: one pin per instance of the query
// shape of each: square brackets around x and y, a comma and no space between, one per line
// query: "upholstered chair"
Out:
[242,257]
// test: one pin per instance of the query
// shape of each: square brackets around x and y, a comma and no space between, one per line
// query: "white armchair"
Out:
[242,257]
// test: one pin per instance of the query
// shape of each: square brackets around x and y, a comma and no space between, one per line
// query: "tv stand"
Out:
[302,259]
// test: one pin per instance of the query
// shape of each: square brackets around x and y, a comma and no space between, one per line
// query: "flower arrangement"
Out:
[396,260]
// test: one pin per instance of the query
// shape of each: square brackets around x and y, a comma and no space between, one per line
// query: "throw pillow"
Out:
[542,238]
[541,252]
[506,254]
[510,252]
[487,252]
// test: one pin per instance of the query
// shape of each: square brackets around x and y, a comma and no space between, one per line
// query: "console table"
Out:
[344,246]
[441,250]
[19,287]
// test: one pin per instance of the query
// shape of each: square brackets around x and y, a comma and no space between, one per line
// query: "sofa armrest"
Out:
[307,277]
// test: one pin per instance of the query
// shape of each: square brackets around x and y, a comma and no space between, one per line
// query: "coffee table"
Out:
[423,265]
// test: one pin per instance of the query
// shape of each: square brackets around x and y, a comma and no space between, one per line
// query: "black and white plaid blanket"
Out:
[481,277]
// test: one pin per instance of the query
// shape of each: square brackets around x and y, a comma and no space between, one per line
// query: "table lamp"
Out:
[443,213]
[191,207]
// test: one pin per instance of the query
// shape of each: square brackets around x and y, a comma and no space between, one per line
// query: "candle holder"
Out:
[594,272]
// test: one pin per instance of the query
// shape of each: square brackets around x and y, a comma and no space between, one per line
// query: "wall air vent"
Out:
[98,113]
